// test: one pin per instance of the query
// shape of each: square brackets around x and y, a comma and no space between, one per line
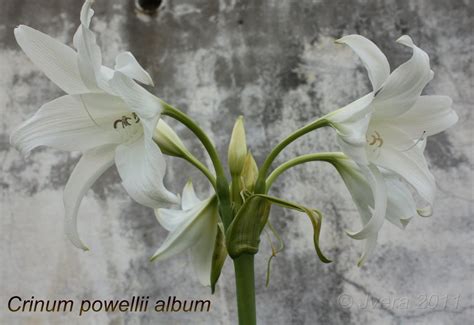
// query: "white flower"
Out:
[387,128]
[106,115]
[193,227]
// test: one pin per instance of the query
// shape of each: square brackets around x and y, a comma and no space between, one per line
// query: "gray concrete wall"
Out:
[274,62]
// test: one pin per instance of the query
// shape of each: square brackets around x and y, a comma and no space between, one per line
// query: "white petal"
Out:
[369,247]
[71,122]
[145,104]
[56,60]
[429,115]
[91,165]
[373,59]
[379,192]
[203,251]
[142,167]
[401,206]
[89,53]
[358,187]
[170,219]
[351,123]
[127,64]
[409,164]
[190,199]
[404,85]
[200,221]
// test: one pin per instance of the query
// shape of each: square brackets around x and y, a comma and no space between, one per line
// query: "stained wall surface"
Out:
[276,63]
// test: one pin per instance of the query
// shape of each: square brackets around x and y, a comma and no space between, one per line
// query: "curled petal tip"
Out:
[405,40]
[425,212]
[354,234]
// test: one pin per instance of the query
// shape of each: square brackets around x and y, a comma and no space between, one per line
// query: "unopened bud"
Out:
[237,148]
[168,141]
[249,173]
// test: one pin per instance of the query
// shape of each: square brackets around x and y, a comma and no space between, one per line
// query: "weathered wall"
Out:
[274,62]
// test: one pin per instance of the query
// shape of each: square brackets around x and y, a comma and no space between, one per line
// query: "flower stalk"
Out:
[245,288]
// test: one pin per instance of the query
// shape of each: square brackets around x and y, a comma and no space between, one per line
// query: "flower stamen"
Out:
[421,138]
[125,120]
[374,139]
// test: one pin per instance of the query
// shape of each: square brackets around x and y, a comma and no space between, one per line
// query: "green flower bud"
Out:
[168,141]
[249,173]
[237,148]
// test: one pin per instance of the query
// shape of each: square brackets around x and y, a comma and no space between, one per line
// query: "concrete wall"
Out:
[274,62]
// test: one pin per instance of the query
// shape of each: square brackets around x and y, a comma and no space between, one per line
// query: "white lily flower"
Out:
[194,227]
[106,115]
[388,126]
[400,206]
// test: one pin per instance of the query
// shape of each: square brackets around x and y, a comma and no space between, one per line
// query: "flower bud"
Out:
[168,141]
[249,173]
[237,148]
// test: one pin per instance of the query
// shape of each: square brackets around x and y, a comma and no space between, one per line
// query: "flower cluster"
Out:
[109,117]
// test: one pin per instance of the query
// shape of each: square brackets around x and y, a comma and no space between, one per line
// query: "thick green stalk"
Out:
[260,185]
[222,185]
[322,156]
[245,286]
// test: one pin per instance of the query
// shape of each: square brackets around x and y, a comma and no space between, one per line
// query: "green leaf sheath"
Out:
[243,235]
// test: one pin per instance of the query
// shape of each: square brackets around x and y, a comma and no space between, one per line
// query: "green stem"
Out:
[323,156]
[260,184]
[222,185]
[199,165]
[245,285]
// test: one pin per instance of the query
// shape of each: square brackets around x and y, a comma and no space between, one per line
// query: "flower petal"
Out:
[404,85]
[170,219]
[373,59]
[401,206]
[187,234]
[142,102]
[56,60]
[429,115]
[91,165]
[379,192]
[351,123]
[409,164]
[203,251]
[71,122]
[190,199]
[369,248]
[142,167]
[89,53]
[127,64]
[358,187]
